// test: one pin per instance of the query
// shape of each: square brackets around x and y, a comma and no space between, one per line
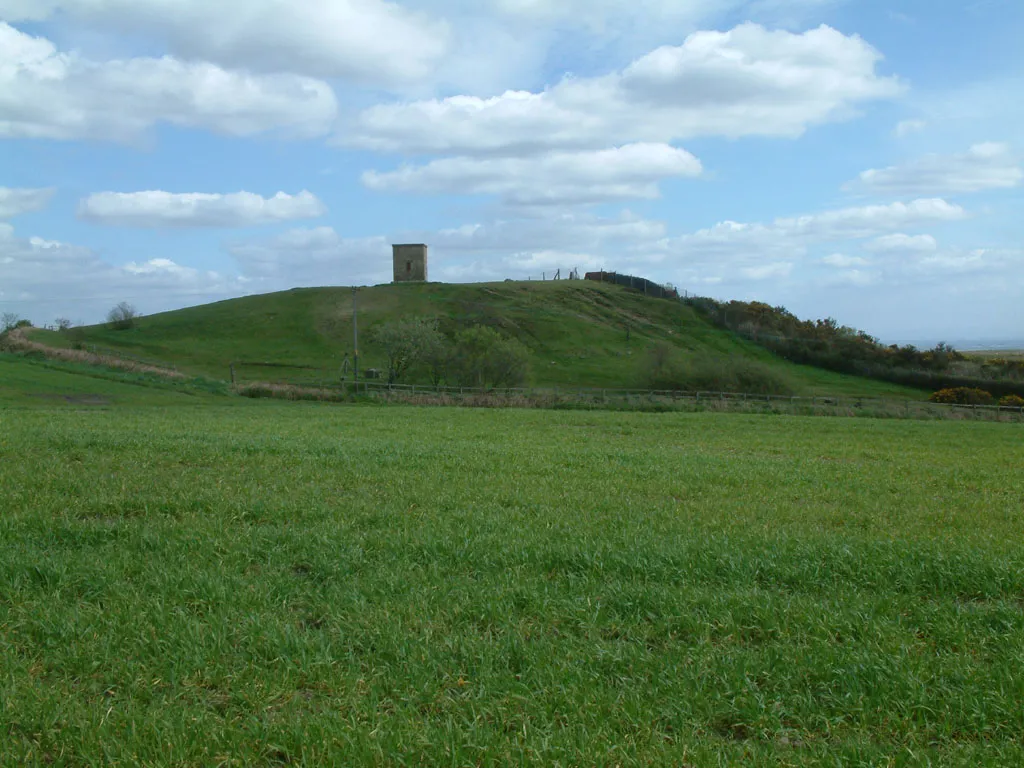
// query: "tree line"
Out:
[828,344]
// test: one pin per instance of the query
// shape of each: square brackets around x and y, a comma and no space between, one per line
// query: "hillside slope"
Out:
[579,333]
[27,381]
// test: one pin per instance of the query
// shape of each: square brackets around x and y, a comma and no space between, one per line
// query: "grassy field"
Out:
[576,332]
[298,584]
[26,381]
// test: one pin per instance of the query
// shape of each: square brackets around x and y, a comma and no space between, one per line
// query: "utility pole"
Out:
[355,340]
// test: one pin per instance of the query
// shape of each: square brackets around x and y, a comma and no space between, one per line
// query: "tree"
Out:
[406,343]
[62,324]
[484,358]
[122,317]
[941,356]
[8,321]
[435,358]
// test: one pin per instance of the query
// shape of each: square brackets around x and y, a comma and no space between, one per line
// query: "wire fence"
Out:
[639,284]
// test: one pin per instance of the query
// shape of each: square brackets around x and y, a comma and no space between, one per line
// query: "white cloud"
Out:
[159,266]
[864,221]
[908,127]
[842,261]
[598,15]
[956,261]
[520,265]
[728,253]
[497,44]
[165,209]
[14,202]
[53,95]
[562,232]
[984,166]
[737,251]
[632,171]
[748,81]
[505,248]
[857,278]
[42,279]
[902,242]
[367,40]
[786,234]
[768,271]
[315,256]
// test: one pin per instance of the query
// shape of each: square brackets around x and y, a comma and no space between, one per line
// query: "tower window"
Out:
[408,267]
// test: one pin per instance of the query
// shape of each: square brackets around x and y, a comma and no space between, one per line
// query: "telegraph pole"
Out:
[355,340]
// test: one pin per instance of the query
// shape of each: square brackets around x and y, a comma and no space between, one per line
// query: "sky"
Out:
[853,159]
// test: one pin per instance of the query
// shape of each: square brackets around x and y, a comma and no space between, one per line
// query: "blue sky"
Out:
[854,159]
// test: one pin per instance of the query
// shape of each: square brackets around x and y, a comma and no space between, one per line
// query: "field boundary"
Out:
[628,399]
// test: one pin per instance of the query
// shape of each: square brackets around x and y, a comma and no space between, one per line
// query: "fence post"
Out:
[232,374]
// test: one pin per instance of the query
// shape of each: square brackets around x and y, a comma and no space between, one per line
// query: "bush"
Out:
[482,357]
[122,317]
[962,396]
[665,369]
[409,342]
[1012,401]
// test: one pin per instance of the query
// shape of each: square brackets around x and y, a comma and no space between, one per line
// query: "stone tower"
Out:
[410,263]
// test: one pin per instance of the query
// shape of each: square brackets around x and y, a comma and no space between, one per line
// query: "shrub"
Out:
[962,396]
[482,357]
[1012,401]
[408,342]
[122,317]
[665,369]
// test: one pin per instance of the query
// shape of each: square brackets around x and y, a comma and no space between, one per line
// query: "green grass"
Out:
[32,381]
[575,331]
[301,584]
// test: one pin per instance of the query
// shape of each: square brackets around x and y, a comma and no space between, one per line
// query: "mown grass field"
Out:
[575,331]
[299,584]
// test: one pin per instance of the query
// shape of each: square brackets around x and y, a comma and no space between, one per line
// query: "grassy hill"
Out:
[579,333]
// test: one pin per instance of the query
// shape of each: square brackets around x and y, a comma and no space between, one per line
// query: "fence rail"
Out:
[610,395]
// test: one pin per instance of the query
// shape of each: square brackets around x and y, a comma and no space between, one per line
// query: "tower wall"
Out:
[410,263]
